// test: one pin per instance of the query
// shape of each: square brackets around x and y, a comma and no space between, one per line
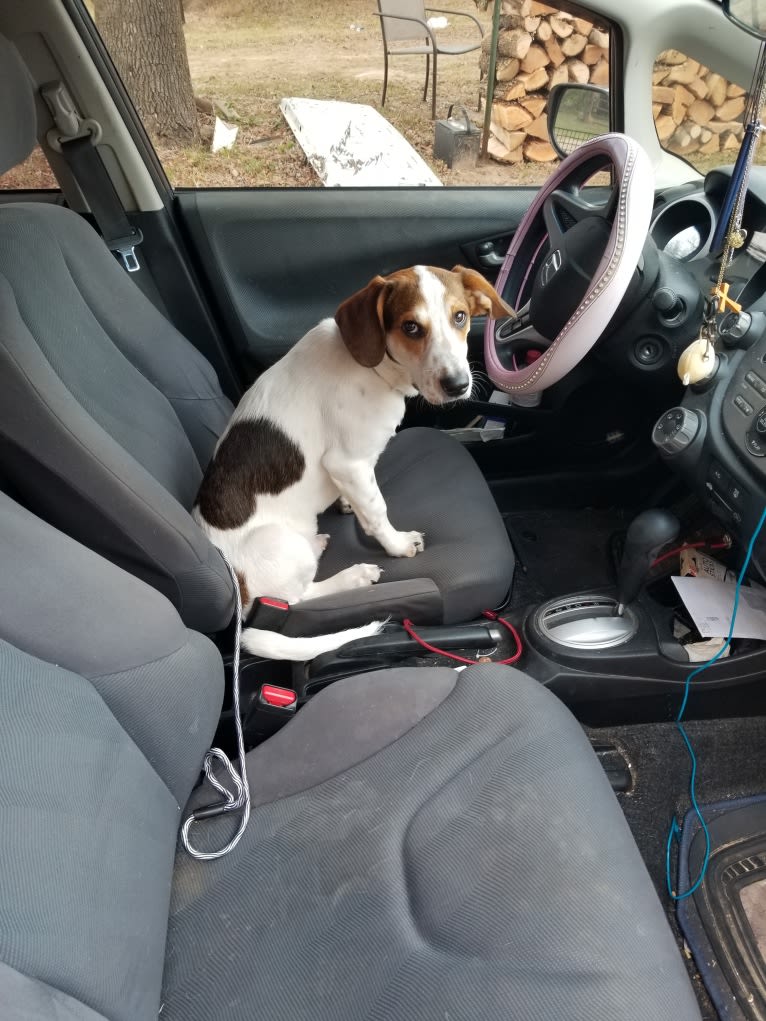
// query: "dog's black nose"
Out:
[454,386]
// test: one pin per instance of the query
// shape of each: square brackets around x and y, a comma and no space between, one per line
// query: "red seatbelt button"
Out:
[279,698]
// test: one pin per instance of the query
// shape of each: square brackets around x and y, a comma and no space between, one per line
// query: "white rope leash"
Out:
[231,802]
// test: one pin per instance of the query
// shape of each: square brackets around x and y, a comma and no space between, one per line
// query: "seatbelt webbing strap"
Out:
[88,169]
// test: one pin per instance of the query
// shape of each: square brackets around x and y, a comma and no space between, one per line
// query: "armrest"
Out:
[418,598]
[458,14]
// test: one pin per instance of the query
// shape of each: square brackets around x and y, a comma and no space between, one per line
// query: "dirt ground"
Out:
[246,55]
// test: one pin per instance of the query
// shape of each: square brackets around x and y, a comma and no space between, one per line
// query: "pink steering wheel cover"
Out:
[610,281]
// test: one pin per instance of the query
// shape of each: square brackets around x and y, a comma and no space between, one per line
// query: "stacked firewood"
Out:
[538,47]
[695,110]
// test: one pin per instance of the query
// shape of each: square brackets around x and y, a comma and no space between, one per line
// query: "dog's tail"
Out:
[272,645]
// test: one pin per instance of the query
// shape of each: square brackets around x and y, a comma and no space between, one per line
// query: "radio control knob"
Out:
[675,430]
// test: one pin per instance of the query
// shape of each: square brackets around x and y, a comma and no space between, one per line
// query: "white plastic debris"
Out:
[352,144]
[436,23]
[224,135]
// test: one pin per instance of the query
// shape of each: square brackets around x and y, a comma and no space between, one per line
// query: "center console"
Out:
[716,438]
[716,441]
[646,661]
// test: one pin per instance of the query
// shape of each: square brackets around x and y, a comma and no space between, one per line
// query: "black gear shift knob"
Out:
[647,534]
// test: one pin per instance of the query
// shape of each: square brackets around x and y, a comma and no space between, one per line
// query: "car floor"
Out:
[730,765]
[560,551]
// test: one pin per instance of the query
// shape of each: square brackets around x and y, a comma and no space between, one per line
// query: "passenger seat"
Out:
[424,843]
[108,418]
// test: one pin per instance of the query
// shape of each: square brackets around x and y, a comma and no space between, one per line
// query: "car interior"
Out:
[492,808]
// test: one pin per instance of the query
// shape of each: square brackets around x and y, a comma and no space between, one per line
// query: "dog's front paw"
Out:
[405,544]
[364,575]
[319,543]
[343,505]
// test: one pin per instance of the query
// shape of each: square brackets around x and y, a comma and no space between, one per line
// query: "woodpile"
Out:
[695,110]
[539,46]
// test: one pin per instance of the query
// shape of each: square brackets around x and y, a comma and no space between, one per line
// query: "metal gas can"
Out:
[456,140]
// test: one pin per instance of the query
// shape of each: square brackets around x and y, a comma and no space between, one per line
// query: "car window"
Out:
[697,112]
[210,79]
[31,175]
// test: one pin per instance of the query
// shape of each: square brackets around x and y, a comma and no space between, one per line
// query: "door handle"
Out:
[487,255]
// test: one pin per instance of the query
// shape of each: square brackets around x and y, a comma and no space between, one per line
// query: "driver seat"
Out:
[108,417]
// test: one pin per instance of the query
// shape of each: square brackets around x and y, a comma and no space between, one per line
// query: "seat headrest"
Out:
[18,119]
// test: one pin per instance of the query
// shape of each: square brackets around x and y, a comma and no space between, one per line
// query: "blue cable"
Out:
[675,830]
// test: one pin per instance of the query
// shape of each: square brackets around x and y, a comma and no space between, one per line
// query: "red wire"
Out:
[690,545]
[409,627]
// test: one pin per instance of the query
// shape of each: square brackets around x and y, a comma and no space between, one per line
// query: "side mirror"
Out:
[747,14]
[576,113]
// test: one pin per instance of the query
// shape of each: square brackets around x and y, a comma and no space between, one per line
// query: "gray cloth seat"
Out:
[424,843]
[108,417]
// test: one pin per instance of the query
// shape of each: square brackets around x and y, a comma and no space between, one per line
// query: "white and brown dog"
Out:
[312,427]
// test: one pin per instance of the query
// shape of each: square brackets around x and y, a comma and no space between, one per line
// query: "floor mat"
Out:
[562,551]
[731,765]
[724,920]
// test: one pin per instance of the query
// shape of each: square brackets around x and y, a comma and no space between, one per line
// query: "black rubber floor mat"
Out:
[562,551]
[724,921]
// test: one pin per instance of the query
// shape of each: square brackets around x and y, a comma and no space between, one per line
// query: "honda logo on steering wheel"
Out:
[551,266]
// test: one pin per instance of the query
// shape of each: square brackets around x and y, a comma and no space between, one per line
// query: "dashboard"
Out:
[716,437]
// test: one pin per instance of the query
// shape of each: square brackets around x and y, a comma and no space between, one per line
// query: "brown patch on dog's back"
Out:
[255,457]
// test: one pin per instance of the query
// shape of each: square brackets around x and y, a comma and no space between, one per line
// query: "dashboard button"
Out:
[736,494]
[719,477]
[720,507]
[756,383]
[744,407]
[755,445]
[760,424]
[675,430]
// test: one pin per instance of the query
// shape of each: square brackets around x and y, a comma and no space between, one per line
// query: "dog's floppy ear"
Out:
[482,296]
[360,321]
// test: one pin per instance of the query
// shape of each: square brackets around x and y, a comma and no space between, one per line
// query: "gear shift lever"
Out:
[647,534]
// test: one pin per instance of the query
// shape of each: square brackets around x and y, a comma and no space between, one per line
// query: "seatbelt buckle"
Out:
[125,249]
[268,614]
[272,707]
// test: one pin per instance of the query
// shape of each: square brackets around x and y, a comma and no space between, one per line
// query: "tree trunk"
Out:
[146,41]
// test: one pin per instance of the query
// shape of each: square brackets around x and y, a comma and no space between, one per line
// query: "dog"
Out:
[310,430]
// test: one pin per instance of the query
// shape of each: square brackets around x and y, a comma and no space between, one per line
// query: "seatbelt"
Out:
[76,139]
[88,169]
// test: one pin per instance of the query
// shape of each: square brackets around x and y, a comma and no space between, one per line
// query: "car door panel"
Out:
[278,261]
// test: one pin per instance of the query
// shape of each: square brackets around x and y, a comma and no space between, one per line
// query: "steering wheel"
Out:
[569,265]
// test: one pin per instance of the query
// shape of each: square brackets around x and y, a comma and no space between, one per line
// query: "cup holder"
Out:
[584,622]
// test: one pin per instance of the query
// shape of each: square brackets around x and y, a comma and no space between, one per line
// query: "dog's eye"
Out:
[460,318]
[411,328]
